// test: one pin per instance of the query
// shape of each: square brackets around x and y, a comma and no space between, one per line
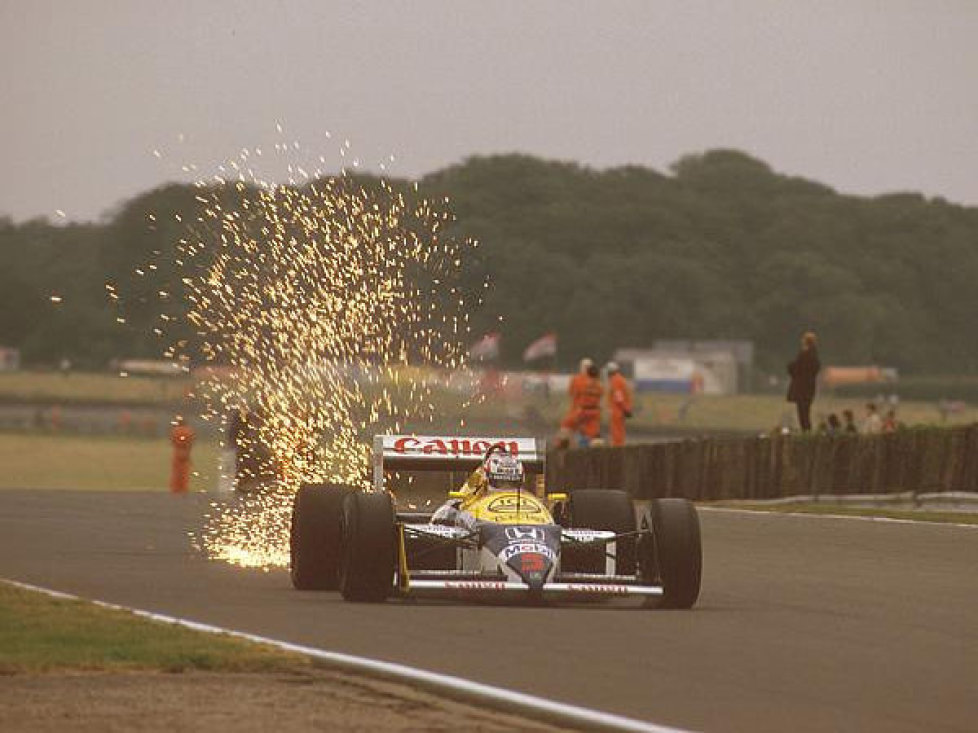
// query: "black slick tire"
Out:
[369,547]
[673,555]
[604,509]
[314,536]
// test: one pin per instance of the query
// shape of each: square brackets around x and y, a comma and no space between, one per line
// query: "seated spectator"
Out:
[872,423]
[890,423]
[563,439]
[850,418]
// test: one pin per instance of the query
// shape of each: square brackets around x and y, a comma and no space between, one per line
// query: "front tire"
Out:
[369,547]
[673,554]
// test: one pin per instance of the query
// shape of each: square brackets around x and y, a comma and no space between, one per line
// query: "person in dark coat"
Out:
[237,439]
[804,370]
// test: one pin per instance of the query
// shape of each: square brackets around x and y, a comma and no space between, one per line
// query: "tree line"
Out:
[720,247]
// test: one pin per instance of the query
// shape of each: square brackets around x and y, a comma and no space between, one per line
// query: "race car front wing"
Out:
[442,588]
[467,583]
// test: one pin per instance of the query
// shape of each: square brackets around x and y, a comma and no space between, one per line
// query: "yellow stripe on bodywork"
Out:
[404,576]
[508,507]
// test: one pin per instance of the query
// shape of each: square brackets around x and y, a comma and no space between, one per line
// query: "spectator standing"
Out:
[258,463]
[804,371]
[834,424]
[872,424]
[619,403]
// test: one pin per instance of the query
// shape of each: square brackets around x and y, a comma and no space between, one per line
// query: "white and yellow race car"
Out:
[485,543]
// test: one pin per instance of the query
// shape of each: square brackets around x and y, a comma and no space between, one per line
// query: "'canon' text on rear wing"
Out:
[440,453]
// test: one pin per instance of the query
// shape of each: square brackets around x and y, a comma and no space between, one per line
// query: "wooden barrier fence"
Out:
[921,460]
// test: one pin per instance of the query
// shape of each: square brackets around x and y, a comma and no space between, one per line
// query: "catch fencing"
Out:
[917,460]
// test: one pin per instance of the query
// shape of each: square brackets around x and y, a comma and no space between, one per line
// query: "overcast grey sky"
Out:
[865,96]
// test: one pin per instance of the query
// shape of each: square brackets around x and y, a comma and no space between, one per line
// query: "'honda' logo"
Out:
[531,534]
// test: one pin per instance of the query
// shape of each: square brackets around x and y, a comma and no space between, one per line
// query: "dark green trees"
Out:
[724,247]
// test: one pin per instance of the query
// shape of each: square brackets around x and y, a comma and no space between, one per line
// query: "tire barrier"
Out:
[914,460]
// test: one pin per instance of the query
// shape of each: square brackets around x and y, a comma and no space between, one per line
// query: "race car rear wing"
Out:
[441,453]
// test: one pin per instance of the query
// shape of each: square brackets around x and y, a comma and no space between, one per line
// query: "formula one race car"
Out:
[492,542]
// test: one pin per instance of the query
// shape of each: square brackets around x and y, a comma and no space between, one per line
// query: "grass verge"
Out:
[83,387]
[917,515]
[39,633]
[104,463]
[654,411]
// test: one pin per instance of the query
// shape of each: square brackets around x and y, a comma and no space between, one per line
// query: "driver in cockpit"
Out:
[500,471]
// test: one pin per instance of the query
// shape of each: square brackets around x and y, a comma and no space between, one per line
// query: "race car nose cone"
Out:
[532,567]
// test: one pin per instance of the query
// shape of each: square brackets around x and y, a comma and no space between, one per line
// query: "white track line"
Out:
[814,515]
[456,687]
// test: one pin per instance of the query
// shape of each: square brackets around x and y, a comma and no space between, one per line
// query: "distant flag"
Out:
[486,348]
[546,345]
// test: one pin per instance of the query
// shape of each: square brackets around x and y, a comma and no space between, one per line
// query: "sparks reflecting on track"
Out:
[326,308]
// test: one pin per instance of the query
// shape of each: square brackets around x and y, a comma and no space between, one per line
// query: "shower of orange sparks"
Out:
[323,297]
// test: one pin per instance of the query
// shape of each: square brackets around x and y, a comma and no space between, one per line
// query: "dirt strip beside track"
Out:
[312,700]
[804,623]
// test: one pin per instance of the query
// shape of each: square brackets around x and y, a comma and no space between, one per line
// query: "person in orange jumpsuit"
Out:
[619,403]
[589,413]
[571,421]
[182,439]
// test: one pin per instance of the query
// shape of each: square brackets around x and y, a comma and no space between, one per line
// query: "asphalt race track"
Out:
[804,623]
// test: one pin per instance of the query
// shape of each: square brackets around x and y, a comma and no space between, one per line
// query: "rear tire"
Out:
[369,547]
[604,509]
[314,537]
[673,555]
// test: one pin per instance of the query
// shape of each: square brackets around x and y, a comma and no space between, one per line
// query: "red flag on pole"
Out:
[486,348]
[546,345]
